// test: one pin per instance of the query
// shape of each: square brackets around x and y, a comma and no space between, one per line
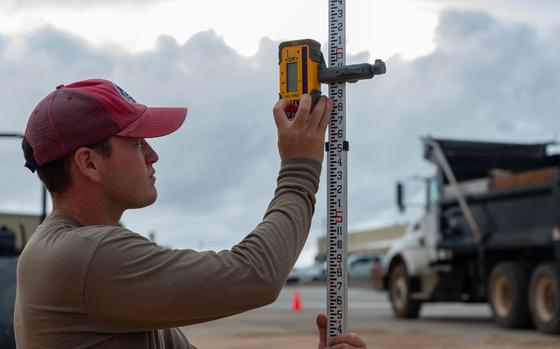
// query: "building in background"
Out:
[20,226]
[368,241]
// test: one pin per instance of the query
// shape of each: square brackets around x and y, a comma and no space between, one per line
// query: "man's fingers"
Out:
[315,117]
[326,116]
[304,109]
[321,321]
[279,112]
[351,339]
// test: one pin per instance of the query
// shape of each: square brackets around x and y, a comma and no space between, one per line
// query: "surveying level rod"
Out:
[337,306]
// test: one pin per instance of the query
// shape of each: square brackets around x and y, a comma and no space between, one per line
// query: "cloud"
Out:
[486,79]
[541,15]
[208,168]
[25,4]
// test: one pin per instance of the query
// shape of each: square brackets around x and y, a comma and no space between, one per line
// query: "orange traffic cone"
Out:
[296,304]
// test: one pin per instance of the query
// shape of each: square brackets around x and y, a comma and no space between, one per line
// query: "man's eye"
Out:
[140,143]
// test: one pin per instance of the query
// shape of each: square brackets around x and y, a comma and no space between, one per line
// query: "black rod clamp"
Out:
[351,73]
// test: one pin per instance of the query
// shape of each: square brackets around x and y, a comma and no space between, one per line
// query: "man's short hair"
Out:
[56,174]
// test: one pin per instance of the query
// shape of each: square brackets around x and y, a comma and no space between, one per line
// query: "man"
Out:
[86,282]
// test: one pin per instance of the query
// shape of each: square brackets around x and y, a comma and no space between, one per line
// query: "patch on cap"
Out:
[124,94]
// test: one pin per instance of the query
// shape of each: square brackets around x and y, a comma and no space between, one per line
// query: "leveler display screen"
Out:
[291,69]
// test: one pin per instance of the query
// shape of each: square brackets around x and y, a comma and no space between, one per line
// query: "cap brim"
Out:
[155,122]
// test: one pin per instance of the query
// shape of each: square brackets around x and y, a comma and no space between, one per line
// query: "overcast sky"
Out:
[457,69]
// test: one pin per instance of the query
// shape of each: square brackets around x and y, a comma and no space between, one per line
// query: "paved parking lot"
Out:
[454,326]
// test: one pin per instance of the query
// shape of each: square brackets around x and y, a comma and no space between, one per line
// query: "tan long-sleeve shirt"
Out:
[101,286]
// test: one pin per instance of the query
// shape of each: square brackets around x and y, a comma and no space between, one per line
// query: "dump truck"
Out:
[489,232]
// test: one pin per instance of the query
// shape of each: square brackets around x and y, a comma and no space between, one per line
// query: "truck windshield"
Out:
[433,191]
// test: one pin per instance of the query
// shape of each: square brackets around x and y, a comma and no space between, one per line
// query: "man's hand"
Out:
[345,341]
[304,135]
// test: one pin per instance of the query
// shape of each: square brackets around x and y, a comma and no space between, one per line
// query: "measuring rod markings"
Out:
[337,307]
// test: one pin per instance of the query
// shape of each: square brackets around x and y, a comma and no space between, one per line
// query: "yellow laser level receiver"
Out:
[300,62]
[303,69]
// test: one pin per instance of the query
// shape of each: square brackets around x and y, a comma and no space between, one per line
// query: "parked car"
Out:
[360,266]
[315,272]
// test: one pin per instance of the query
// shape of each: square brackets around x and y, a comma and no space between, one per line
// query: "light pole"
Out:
[44,190]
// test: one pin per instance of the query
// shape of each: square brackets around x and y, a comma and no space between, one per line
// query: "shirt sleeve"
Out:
[133,284]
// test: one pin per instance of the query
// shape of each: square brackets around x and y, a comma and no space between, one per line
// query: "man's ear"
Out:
[87,163]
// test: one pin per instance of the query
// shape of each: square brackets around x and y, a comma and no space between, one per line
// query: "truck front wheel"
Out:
[544,298]
[508,292]
[399,294]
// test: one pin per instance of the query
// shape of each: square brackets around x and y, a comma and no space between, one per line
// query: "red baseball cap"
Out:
[89,111]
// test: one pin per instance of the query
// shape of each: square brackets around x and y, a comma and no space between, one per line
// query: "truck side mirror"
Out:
[400,197]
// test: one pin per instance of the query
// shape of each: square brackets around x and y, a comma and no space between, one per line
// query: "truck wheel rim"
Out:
[545,301]
[399,292]
[501,297]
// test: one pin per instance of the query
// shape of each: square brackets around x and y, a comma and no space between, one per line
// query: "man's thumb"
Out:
[321,321]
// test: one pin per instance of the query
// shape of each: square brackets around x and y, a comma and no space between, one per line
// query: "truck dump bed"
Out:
[471,160]
[511,190]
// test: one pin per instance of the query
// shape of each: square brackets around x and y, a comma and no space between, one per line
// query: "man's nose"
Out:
[151,155]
